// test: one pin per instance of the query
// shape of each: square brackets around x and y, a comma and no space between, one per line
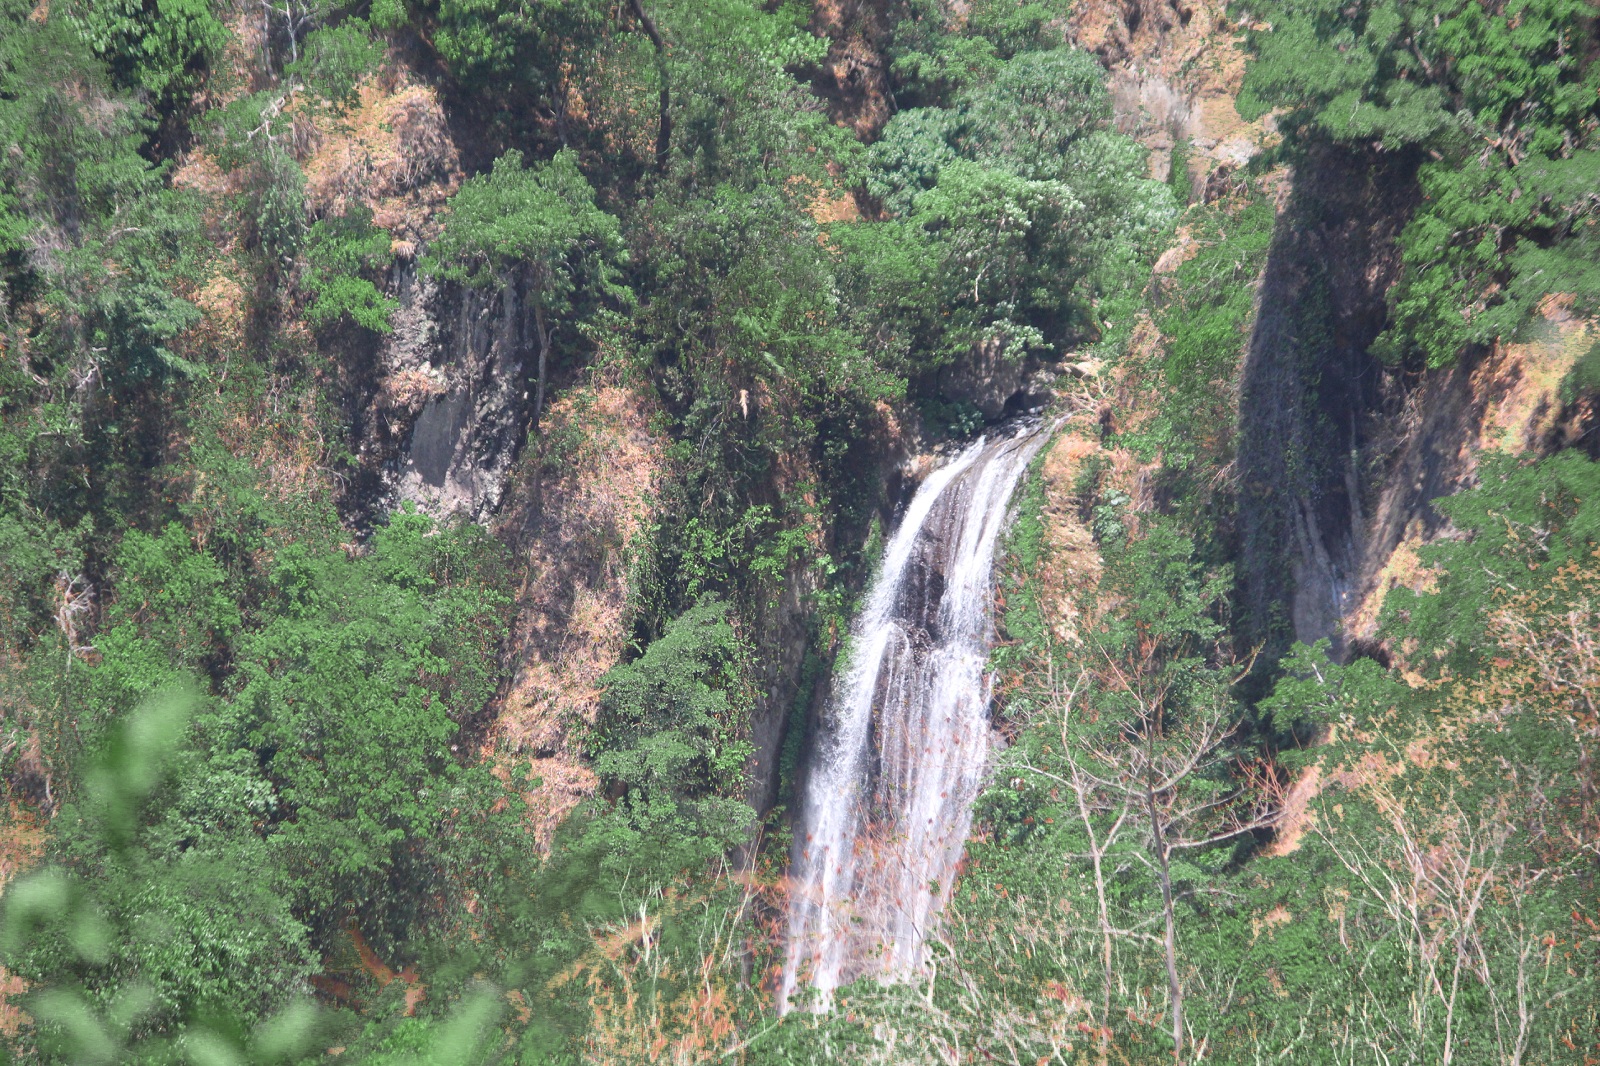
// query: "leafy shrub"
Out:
[340,251]
[672,737]
[163,51]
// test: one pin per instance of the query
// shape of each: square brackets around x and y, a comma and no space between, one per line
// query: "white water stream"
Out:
[905,737]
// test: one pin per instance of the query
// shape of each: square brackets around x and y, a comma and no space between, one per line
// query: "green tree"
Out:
[674,721]
[153,939]
[340,252]
[129,941]
[162,47]
[173,613]
[1520,524]
[89,233]
[351,696]
[934,53]
[906,159]
[520,54]
[1036,107]
[1030,207]
[535,231]
[741,117]
[1501,99]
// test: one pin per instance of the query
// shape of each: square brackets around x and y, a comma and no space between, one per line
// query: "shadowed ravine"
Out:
[906,734]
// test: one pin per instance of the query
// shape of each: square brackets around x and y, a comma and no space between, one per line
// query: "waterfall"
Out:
[906,734]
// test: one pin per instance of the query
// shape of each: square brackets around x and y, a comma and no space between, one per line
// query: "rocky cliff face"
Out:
[1312,399]
[469,355]
[1509,398]
[1174,68]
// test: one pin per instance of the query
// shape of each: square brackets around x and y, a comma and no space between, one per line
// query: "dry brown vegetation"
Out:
[393,153]
[577,521]
[22,837]
[1508,400]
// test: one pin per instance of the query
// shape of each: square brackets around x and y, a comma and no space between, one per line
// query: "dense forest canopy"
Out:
[250,691]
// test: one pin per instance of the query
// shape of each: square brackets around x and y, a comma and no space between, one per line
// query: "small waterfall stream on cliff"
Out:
[906,735]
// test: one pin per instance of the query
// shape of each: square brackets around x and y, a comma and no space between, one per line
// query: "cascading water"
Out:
[906,736]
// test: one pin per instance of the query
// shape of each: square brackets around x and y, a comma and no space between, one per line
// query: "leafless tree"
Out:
[1171,775]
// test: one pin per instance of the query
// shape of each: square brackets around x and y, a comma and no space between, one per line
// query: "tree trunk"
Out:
[1174,986]
[664,127]
[543,330]
[1097,854]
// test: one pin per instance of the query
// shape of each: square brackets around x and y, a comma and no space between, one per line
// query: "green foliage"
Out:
[1313,692]
[330,754]
[672,738]
[1205,323]
[149,948]
[496,46]
[959,419]
[1584,377]
[87,229]
[742,118]
[934,55]
[1178,176]
[756,359]
[327,59]
[1018,27]
[339,251]
[162,47]
[1403,73]
[173,613]
[1504,101]
[1036,108]
[1005,203]
[994,234]
[671,744]
[1170,601]
[325,767]
[130,943]
[97,255]
[351,696]
[929,63]
[906,160]
[1523,522]
[673,720]
[542,219]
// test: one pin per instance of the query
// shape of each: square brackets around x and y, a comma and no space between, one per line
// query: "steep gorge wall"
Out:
[1337,456]
[442,406]
[854,78]
[1512,398]
[1311,396]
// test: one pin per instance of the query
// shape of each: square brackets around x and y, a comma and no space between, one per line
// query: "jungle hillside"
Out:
[453,454]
